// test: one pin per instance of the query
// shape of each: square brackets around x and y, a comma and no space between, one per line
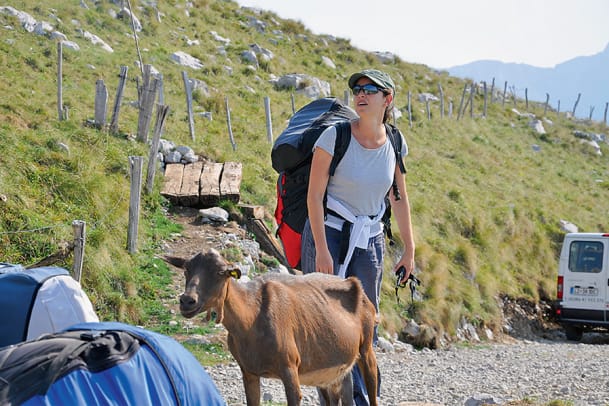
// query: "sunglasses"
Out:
[368,88]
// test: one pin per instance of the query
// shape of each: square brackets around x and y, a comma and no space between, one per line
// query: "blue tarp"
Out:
[104,364]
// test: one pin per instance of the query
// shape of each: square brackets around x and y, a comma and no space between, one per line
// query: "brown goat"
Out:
[303,330]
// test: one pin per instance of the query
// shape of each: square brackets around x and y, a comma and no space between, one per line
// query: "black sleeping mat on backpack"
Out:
[295,144]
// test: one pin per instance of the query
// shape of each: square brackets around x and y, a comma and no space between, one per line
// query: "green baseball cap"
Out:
[376,76]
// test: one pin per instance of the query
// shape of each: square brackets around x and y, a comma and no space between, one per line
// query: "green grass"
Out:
[485,205]
[208,354]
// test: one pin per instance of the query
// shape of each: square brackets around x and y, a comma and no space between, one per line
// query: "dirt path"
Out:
[194,238]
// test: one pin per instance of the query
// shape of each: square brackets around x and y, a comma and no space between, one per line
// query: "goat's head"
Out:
[207,278]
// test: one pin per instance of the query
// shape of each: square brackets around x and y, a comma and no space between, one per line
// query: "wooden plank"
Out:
[210,184]
[268,242]
[231,181]
[172,182]
[189,194]
[251,211]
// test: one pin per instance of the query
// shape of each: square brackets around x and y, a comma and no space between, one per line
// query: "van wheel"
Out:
[573,333]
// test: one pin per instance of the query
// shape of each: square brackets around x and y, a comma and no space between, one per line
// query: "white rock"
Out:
[184,59]
[27,21]
[328,62]
[217,214]
[95,40]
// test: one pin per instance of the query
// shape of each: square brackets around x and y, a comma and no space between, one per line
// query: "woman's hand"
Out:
[407,261]
[323,262]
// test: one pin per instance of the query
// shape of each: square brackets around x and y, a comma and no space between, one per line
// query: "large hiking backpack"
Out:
[104,364]
[39,300]
[291,157]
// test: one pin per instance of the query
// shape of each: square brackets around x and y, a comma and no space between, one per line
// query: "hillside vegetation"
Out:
[486,205]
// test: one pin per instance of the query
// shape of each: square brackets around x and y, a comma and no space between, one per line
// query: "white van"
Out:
[582,286]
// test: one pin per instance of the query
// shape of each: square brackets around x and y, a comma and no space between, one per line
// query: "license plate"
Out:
[584,291]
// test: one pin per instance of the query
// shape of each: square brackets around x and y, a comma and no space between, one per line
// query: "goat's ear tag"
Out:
[235,273]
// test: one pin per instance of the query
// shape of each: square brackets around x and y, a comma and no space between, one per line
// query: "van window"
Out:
[586,256]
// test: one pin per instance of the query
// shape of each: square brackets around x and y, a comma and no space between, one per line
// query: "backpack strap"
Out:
[395,136]
[343,137]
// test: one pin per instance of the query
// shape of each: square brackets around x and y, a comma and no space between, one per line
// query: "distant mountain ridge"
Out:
[588,75]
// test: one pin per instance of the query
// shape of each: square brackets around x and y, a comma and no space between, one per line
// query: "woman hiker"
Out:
[356,193]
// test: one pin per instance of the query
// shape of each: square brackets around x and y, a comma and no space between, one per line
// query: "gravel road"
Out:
[538,367]
[538,371]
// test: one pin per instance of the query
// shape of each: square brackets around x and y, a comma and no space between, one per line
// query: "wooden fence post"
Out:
[605,115]
[492,90]
[146,106]
[441,100]
[461,103]
[545,109]
[504,92]
[101,103]
[146,77]
[79,228]
[558,109]
[188,89]
[230,129]
[161,114]
[575,105]
[450,109]
[161,89]
[409,109]
[591,112]
[471,100]
[485,102]
[60,81]
[269,123]
[119,99]
[135,165]
[514,95]
[526,98]
[137,45]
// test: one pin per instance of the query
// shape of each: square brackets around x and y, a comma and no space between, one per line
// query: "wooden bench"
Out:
[202,184]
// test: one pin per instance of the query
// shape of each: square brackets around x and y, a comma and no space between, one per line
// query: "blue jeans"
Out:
[365,264]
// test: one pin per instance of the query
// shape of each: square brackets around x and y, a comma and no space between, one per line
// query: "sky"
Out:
[446,33]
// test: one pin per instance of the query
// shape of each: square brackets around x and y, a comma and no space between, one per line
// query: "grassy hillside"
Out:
[486,204]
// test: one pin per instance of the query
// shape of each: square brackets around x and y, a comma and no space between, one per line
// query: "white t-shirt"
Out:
[363,176]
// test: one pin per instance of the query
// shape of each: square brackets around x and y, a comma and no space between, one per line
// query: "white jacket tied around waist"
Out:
[363,228]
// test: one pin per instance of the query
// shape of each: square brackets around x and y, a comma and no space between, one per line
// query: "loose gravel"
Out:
[538,372]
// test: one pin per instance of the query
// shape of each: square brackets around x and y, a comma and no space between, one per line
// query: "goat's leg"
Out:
[251,384]
[291,383]
[368,367]
[338,393]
